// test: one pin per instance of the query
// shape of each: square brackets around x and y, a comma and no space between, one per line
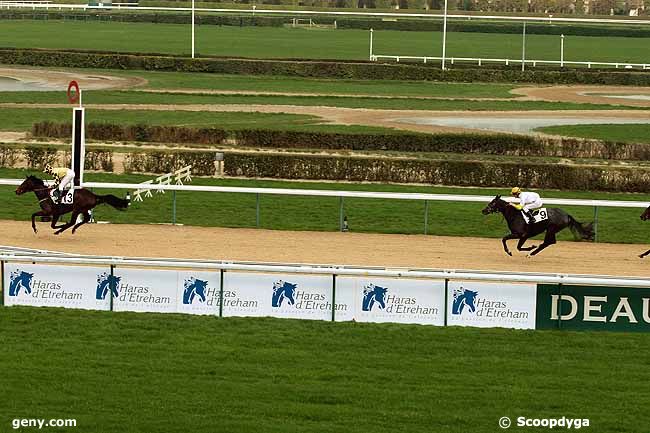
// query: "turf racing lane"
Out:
[415,251]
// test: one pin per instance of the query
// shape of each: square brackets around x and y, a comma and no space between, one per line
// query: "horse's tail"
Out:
[583,231]
[116,202]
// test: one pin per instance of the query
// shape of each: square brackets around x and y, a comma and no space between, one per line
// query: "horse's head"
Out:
[282,290]
[496,205]
[646,214]
[470,297]
[31,183]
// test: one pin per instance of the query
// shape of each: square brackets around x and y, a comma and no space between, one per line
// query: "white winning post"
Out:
[78,133]
[192,28]
[444,36]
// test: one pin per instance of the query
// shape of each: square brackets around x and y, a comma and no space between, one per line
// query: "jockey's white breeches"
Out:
[67,180]
[534,205]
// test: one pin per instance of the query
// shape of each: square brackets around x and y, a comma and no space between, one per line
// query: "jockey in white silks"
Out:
[528,201]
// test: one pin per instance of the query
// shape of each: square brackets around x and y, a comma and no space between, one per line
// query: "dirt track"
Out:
[414,251]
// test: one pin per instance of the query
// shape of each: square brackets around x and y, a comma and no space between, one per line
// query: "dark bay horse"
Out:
[84,201]
[557,220]
[644,217]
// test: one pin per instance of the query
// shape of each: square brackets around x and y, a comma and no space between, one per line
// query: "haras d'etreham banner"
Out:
[368,299]
[489,305]
[53,286]
[162,291]
[293,296]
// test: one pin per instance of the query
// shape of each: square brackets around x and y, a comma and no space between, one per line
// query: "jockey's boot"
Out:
[56,195]
[529,214]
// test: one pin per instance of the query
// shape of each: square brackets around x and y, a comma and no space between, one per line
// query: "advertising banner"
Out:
[277,295]
[54,286]
[198,292]
[399,300]
[145,290]
[593,308]
[491,305]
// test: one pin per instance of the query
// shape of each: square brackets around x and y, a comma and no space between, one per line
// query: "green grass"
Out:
[22,119]
[254,83]
[265,42]
[631,133]
[125,97]
[619,225]
[134,372]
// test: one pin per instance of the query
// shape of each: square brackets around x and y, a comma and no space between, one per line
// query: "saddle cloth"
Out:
[539,215]
[67,198]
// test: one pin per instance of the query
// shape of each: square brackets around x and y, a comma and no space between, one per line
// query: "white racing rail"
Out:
[482,60]
[438,274]
[254,10]
[348,194]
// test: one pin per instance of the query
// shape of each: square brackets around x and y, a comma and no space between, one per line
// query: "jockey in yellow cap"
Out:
[528,201]
[62,177]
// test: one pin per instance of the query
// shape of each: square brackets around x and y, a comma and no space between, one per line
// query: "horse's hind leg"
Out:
[505,239]
[86,218]
[549,240]
[644,254]
[69,224]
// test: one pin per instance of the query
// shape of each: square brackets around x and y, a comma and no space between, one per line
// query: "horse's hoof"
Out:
[529,256]
[641,256]
[509,253]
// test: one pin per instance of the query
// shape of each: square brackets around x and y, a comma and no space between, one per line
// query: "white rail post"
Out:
[523,50]
[371,31]
[561,51]
[444,37]
[192,28]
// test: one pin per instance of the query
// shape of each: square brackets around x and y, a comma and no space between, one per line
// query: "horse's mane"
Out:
[35,179]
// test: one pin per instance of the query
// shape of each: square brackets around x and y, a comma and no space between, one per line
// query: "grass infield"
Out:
[135,372]
[631,133]
[292,43]
[398,103]
[322,213]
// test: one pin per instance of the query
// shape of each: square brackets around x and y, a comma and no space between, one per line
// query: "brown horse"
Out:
[644,217]
[84,201]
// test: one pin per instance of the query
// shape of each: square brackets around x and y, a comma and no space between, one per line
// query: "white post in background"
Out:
[192,28]
[444,36]
[561,51]
[371,31]
[523,50]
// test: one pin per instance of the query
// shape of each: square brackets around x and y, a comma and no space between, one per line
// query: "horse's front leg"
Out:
[507,238]
[520,245]
[55,219]
[644,254]
[34,215]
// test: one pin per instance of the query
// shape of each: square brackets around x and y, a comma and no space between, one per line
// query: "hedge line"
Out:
[329,69]
[491,27]
[138,133]
[102,160]
[491,144]
[400,24]
[38,157]
[358,169]
[459,173]
[164,162]
[164,18]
